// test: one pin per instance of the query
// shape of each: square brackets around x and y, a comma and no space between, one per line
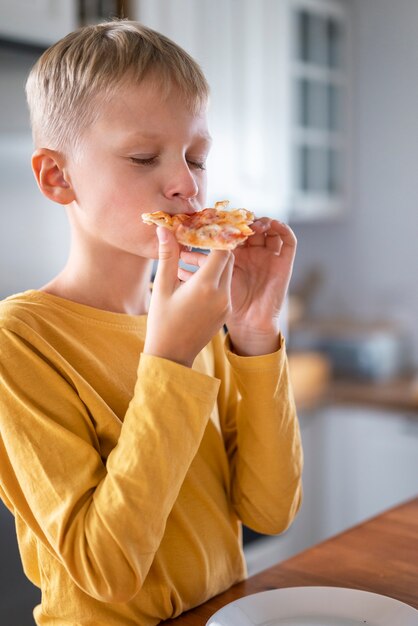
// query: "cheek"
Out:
[92,190]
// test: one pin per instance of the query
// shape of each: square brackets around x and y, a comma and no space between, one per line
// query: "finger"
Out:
[193,258]
[168,258]
[259,227]
[226,278]
[215,265]
[184,275]
[279,231]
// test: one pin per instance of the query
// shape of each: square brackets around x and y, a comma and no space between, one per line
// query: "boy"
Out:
[135,438]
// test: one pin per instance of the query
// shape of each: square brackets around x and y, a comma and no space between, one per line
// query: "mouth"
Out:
[188,209]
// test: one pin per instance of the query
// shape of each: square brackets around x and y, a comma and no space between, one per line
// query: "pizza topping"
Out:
[213,228]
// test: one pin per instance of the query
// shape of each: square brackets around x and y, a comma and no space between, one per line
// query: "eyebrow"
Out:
[206,137]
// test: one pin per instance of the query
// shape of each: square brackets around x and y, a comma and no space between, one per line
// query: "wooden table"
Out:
[398,394]
[379,555]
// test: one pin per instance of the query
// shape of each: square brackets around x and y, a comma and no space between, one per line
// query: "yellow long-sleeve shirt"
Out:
[128,475]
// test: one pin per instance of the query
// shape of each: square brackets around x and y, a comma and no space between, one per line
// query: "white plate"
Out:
[315,606]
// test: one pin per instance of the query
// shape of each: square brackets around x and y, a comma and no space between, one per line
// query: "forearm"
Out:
[160,436]
[266,453]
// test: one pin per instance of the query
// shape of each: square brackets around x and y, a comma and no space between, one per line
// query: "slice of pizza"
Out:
[214,229]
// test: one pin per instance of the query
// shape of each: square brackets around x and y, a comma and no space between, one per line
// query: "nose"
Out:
[181,183]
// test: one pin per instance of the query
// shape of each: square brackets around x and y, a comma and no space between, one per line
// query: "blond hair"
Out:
[70,80]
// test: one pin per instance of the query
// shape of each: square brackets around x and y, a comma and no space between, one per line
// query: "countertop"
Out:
[315,386]
[394,394]
[379,555]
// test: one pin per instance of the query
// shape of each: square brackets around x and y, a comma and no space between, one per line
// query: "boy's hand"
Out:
[261,276]
[183,318]
[262,272]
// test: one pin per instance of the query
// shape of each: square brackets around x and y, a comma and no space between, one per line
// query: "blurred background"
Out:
[314,117]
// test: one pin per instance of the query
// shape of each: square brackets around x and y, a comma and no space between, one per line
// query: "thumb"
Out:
[168,259]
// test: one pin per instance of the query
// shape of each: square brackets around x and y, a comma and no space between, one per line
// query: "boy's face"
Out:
[143,154]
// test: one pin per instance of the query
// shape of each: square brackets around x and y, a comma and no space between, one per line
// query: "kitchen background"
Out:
[314,116]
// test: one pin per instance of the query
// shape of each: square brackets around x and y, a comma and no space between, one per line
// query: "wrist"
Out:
[170,355]
[254,343]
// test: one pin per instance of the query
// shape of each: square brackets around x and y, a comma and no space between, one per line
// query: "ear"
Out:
[48,167]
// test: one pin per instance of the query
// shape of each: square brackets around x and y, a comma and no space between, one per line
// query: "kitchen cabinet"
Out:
[39,22]
[359,461]
[279,79]
[319,124]
[42,22]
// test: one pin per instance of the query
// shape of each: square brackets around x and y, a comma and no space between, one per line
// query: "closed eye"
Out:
[147,161]
[200,165]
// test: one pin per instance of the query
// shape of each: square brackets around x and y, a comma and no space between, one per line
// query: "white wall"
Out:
[33,231]
[370,258]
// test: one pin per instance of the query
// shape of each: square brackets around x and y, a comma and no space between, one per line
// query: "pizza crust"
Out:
[213,229]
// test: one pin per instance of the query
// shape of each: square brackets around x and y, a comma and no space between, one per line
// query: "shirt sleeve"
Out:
[262,437]
[104,520]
